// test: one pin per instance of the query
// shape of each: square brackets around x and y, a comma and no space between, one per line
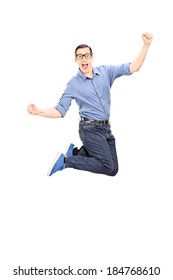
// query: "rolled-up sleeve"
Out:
[116,71]
[65,101]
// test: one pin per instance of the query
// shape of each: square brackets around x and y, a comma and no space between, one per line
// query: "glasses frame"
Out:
[83,55]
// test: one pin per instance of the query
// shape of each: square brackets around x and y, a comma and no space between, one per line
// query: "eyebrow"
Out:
[83,53]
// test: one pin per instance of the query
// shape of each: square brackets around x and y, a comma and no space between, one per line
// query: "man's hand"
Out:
[32,109]
[138,62]
[48,113]
[147,38]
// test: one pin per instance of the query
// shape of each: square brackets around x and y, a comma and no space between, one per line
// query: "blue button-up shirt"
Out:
[92,94]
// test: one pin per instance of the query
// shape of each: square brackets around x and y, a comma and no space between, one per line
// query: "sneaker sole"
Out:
[56,158]
[68,146]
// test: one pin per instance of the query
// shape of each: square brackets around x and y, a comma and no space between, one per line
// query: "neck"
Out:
[89,74]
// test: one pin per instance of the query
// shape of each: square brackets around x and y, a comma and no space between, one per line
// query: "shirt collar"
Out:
[84,77]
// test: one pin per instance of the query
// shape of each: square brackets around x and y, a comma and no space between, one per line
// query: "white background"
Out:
[78,218]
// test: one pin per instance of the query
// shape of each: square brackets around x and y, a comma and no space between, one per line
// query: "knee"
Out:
[112,171]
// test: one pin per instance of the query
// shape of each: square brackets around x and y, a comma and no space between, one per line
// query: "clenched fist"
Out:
[147,38]
[32,109]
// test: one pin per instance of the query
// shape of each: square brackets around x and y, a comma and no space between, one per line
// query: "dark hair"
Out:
[83,46]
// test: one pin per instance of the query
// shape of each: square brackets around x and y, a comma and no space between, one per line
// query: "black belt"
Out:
[106,122]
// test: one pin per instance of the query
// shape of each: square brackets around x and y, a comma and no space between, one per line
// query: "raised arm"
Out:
[138,62]
[48,113]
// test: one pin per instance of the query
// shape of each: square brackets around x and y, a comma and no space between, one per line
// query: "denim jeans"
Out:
[98,153]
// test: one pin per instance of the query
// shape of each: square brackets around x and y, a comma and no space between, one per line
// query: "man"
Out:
[90,88]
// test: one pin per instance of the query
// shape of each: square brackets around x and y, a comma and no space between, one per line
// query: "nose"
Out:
[83,58]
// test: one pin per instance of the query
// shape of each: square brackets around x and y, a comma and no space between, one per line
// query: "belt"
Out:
[106,122]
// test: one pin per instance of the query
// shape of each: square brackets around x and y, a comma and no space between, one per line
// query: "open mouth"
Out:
[85,66]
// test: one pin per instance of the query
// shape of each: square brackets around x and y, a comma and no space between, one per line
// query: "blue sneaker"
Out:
[69,150]
[57,165]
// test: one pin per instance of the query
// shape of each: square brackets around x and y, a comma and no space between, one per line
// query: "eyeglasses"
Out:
[86,55]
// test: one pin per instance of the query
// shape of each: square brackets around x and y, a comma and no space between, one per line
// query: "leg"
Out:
[99,159]
[112,147]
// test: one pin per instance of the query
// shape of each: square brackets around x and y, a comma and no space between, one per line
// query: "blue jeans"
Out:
[98,153]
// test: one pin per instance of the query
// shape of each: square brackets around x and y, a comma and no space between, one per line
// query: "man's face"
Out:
[84,59]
